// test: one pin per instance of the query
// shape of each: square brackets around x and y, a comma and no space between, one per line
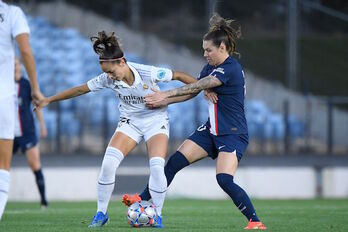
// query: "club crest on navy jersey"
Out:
[220,70]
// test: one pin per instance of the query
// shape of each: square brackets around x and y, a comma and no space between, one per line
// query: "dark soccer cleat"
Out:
[128,199]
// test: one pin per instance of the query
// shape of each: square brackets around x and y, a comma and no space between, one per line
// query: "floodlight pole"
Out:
[210,6]
[135,6]
[292,46]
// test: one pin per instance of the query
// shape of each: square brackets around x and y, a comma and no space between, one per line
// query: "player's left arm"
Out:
[40,118]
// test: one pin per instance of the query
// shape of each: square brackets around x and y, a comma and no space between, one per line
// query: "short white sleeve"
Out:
[19,22]
[98,83]
[161,74]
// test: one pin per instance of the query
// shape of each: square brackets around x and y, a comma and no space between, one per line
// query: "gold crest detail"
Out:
[145,86]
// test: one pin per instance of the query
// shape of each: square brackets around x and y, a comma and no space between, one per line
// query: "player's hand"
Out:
[41,103]
[156,99]
[37,96]
[210,96]
[157,104]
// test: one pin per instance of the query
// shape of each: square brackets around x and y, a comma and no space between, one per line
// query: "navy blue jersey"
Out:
[25,115]
[227,115]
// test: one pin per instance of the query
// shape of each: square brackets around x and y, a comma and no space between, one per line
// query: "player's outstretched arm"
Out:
[184,78]
[67,94]
[169,101]
[194,88]
[209,95]
[207,82]
[188,79]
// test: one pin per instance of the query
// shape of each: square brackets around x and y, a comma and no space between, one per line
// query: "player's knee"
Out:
[34,164]
[224,180]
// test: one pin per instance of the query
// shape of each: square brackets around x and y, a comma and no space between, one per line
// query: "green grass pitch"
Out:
[182,215]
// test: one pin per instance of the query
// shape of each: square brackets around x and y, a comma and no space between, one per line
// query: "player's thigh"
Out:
[122,142]
[5,153]
[227,162]
[192,151]
[33,157]
[157,146]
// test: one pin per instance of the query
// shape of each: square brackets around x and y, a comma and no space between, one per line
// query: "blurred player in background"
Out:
[25,133]
[13,26]
[225,135]
[131,82]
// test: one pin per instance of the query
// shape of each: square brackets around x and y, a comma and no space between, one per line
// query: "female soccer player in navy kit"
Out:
[25,134]
[131,82]
[225,135]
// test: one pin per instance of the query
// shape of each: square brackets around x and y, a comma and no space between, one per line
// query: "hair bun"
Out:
[106,45]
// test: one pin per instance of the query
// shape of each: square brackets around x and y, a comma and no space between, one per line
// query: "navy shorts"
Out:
[24,142]
[214,144]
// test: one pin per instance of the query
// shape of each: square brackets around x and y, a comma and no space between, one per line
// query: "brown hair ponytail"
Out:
[106,45]
[222,30]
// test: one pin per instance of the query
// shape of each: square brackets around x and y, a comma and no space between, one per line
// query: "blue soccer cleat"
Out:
[99,220]
[158,222]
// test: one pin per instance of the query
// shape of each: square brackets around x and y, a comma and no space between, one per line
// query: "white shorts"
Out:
[139,129]
[7,117]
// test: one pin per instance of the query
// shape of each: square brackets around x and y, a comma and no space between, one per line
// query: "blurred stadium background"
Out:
[294,54]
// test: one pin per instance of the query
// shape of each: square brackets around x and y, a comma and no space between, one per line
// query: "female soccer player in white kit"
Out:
[13,26]
[131,82]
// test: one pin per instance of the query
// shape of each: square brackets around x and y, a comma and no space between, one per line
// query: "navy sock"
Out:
[238,195]
[175,163]
[40,181]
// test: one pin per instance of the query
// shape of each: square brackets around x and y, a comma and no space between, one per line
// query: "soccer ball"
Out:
[142,213]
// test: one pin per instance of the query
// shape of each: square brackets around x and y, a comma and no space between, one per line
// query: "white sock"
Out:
[106,181]
[4,187]
[157,183]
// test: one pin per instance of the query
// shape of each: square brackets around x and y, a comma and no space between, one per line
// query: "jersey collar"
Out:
[229,59]
[137,78]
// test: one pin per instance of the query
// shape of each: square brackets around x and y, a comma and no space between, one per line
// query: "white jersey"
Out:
[132,102]
[12,23]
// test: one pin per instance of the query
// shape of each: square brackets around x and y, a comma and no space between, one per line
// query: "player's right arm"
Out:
[67,94]
[184,78]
